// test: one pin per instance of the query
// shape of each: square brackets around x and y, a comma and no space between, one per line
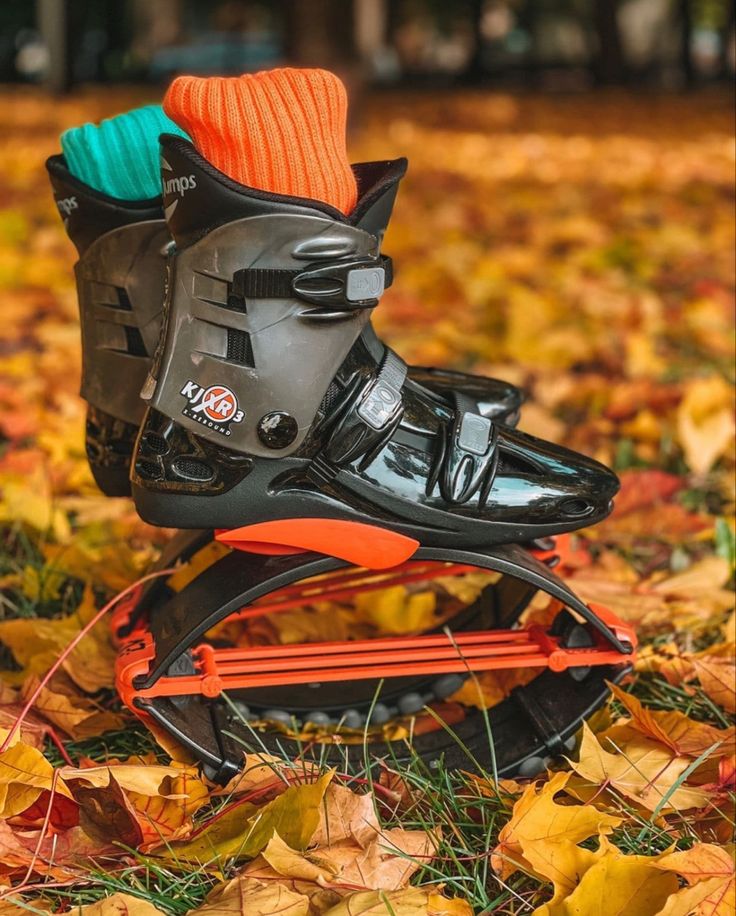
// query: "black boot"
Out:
[122,267]
[267,401]
[122,247]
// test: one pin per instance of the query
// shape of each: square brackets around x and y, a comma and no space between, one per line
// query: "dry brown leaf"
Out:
[711,877]
[320,898]
[119,905]
[249,897]
[642,770]
[75,714]
[705,422]
[386,863]
[243,830]
[105,814]
[345,815]
[674,729]
[412,901]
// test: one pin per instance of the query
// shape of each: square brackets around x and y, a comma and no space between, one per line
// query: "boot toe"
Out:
[538,482]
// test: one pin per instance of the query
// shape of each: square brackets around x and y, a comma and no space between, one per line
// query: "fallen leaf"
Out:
[37,643]
[710,874]
[75,714]
[437,905]
[119,905]
[542,835]
[674,729]
[248,897]
[105,813]
[243,830]
[716,676]
[643,771]
[616,885]
[345,815]
[24,775]
[645,488]
[705,421]
[411,901]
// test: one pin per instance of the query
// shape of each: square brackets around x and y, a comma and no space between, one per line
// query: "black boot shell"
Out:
[270,400]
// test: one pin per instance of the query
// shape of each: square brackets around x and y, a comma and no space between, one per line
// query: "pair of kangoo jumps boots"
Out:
[237,389]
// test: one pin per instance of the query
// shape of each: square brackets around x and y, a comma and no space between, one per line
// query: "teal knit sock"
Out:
[120,155]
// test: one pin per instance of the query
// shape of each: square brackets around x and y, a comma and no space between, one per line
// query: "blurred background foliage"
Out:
[556,44]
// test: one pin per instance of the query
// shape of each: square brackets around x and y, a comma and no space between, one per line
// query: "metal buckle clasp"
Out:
[343,286]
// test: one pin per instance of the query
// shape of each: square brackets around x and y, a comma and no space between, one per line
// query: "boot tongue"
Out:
[281,131]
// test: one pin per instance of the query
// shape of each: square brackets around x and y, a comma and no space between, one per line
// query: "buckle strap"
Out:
[340,286]
[469,457]
[370,413]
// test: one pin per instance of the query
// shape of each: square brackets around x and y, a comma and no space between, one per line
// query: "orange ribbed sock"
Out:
[278,130]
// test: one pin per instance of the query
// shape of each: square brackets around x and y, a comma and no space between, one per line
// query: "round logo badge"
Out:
[219,403]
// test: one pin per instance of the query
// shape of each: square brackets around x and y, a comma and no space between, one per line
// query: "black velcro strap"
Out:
[265,283]
[368,419]
[327,285]
[383,399]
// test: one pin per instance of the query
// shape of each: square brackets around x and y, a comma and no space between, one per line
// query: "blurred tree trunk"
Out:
[526,20]
[370,22]
[474,70]
[320,33]
[53,23]
[727,36]
[686,37]
[609,67]
[156,25]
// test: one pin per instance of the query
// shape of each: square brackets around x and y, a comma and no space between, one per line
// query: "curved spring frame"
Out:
[165,673]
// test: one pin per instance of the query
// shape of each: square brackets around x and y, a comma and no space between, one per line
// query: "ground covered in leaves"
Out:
[582,247]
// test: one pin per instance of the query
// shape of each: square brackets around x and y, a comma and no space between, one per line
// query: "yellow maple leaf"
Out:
[249,897]
[542,835]
[642,770]
[24,775]
[616,885]
[711,879]
[37,643]
[674,729]
[119,905]
[243,830]
[705,421]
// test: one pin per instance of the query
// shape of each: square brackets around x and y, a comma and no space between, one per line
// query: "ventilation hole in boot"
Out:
[152,442]
[124,302]
[120,446]
[239,349]
[236,293]
[192,469]
[235,303]
[512,463]
[134,342]
[332,396]
[575,507]
[147,470]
